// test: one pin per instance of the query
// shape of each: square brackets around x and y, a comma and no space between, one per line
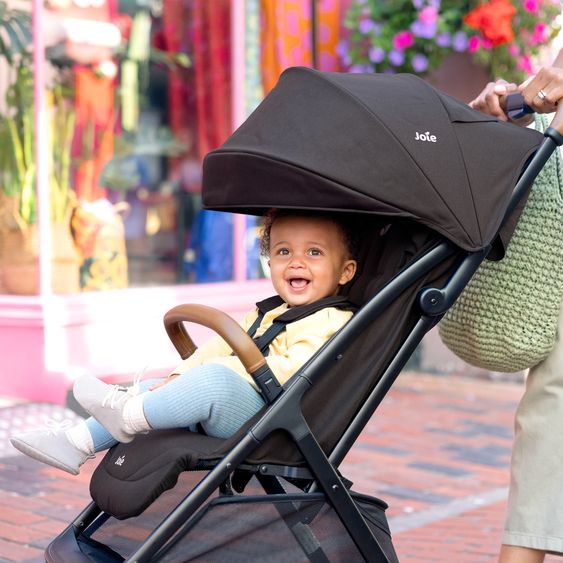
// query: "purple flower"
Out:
[419,62]
[358,69]
[444,39]
[459,41]
[345,58]
[366,25]
[396,58]
[417,4]
[341,48]
[434,4]
[376,54]
[424,30]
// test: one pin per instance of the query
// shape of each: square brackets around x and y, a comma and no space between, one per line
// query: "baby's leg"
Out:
[213,395]
[68,449]
[97,438]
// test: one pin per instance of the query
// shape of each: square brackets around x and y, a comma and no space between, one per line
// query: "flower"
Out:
[396,57]
[444,39]
[460,41]
[532,6]
[505,36]
[419,62]
[376,54]
[512,34]
[403,40]
[494,20]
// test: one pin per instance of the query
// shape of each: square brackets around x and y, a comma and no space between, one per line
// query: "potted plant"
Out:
[18,229]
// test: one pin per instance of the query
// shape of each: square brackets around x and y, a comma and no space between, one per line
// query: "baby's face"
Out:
[308,259]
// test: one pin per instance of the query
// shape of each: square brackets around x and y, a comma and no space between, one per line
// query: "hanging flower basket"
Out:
[504,36]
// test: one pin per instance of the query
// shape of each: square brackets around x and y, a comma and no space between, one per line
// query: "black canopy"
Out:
[375,143]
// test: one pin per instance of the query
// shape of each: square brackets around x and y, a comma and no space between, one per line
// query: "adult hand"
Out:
[543,91]
[489,100]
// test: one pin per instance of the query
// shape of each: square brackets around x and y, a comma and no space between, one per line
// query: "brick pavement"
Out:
[437,451]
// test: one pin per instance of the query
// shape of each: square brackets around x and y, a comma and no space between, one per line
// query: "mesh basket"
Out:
[246,528]
[275,528]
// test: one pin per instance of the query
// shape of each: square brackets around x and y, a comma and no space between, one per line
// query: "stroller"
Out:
[416,166]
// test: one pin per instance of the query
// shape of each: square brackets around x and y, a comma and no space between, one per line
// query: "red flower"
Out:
[494,20]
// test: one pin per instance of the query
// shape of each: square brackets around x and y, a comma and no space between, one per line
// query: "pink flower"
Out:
[474,44]
[513,50]
[538,36]
[525,64]
[487,44]
[429,14]
[403,40]
[532,6]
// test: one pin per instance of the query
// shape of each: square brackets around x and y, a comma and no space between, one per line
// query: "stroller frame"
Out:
[285,412]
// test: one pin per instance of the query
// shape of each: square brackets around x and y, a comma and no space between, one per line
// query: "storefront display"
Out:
[135,93]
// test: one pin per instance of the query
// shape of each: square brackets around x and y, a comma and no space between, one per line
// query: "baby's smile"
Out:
[298,283]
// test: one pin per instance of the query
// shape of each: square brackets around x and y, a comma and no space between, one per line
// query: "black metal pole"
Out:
[314,57]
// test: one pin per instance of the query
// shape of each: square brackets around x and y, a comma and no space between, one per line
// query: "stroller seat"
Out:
[425,232]
[132,476]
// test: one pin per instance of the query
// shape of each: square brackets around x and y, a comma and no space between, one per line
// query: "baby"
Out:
[311,256]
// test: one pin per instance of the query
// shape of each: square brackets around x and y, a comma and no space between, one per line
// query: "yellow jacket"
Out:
[287,352]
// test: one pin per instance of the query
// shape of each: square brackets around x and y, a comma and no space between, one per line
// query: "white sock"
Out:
[79,436]
[134,421]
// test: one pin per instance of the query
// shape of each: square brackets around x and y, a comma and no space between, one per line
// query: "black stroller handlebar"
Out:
[516,108]
[224,325]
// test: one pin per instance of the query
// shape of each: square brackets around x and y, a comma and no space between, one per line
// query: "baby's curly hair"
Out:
[348,226]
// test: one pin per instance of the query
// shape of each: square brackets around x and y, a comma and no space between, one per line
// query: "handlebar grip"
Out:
[515,107]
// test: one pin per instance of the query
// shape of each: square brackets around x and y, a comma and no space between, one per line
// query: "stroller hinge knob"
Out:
[432,301]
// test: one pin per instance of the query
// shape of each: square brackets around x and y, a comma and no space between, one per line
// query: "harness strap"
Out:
[264,377]
[291,315]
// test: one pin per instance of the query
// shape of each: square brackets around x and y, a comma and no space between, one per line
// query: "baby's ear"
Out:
[348,271]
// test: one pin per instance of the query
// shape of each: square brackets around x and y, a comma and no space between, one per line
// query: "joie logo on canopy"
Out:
[425,137]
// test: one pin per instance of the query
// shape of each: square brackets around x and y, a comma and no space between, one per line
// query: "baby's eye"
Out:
[282,252]
[314,252]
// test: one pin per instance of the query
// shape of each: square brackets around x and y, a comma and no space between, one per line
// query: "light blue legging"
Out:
[213,395]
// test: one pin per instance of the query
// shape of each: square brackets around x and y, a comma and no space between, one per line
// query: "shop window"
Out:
[137,92]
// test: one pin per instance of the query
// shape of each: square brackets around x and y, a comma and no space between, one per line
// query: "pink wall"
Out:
[46,342]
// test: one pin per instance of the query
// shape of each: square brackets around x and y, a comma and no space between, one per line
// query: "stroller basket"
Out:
[278,527]
[296,528]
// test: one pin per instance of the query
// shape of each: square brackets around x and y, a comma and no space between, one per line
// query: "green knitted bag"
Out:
[506,318]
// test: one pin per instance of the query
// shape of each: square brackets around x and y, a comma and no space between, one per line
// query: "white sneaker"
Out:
[105,403]
[51,446]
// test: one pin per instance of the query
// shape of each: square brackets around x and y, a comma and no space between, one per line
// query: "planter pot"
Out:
[459,77]
[19,261]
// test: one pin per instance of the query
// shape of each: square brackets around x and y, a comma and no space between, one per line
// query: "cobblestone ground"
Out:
[437,451]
